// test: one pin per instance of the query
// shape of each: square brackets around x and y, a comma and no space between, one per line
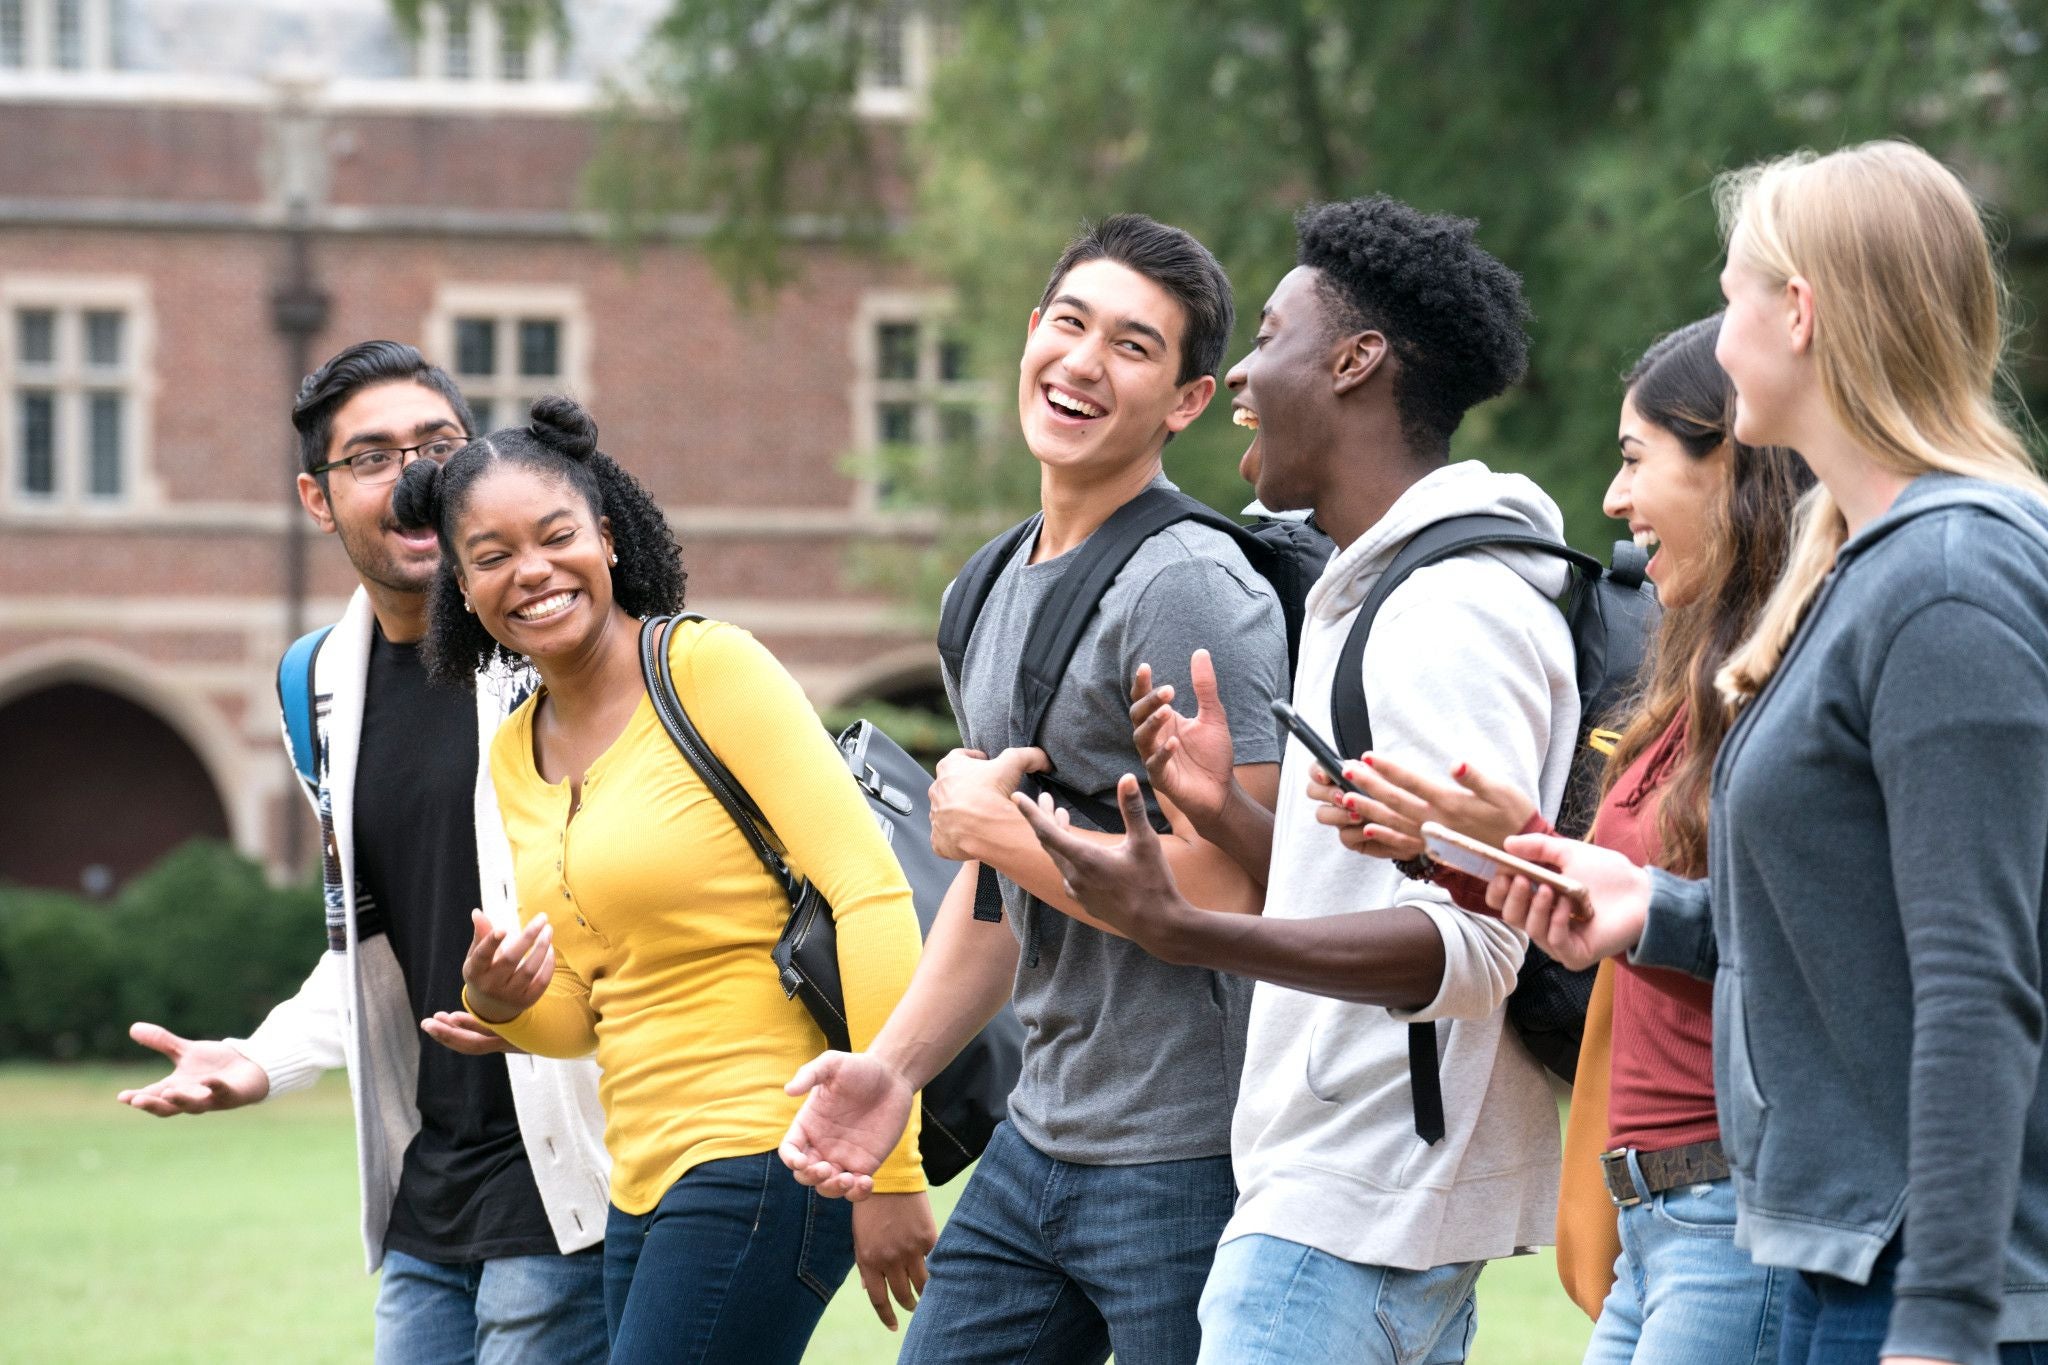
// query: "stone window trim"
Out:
[510,386]
[904,44]
[80,307]
[900,368]
[60,37]
[467,42]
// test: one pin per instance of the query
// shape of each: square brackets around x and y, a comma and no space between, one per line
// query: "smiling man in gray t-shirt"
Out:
[1091,1221]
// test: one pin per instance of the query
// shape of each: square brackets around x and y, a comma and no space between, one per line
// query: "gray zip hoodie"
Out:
[1874,933]
[1468,661]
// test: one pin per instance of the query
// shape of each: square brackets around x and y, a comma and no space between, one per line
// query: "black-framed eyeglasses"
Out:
[383,465]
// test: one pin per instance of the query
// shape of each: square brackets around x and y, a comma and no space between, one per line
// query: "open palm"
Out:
[1188,759]
[853,1116]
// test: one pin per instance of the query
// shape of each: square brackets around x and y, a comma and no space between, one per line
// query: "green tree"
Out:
[1584,136]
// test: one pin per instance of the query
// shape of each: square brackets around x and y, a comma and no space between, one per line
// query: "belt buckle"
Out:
[1616,1162]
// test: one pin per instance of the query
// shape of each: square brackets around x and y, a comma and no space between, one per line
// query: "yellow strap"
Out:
[1603,741]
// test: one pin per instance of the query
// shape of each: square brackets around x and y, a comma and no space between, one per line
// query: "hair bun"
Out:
[561,423]
[416,502]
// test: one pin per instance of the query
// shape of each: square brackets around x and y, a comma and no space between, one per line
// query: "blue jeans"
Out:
[736,1263]
[1683,1293]
[1047,1262]
[499,1312]
[1270,1300]
[1834,1322]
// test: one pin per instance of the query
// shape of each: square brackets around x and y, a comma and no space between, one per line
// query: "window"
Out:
[485,41]
[509,346]
[902,43]
[75,376]
[57,35]
[915,398]
[13,35]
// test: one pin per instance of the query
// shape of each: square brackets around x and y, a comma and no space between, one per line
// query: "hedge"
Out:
[201,943]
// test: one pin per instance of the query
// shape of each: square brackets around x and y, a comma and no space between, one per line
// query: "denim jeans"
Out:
[1683,1293]
[1270,1301]
[1834,1322]
[736,1263]
[1047,1262]
[498,1312]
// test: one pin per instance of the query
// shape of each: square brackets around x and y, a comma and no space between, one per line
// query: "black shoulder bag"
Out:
[964,1102]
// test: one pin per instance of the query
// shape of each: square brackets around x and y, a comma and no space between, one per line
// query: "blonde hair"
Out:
[1908,338]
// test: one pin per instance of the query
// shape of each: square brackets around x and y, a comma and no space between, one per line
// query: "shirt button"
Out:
[565,893]
[580,920]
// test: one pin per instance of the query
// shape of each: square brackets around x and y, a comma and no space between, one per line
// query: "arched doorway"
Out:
[94,788]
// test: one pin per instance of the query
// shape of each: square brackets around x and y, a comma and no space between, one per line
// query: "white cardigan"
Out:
[353,1010]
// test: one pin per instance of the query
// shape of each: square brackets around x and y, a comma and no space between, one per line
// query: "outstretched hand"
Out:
[1578,934]
[465,1033]
[1188,761]
[507,974]
[1127,885]
[205,1076]
[1387,821]
[854,1112]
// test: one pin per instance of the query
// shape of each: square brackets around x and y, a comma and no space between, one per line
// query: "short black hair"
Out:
[560,441]
[1453,314]
[364,365]
[1177,263]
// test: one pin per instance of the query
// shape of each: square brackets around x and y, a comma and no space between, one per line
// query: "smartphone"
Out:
[1324,752]
[1484,861]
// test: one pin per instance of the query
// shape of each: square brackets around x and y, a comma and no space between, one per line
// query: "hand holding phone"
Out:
[1486,862]
[1324,752]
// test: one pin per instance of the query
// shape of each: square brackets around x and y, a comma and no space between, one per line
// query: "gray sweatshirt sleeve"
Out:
[1679,930]
[1959,742]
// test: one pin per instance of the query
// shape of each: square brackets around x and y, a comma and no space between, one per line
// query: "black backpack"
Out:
[1290,555]
[1613,615]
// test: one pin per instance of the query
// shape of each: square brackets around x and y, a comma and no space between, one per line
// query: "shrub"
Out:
[200,943]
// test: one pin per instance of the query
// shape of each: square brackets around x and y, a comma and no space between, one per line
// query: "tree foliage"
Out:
[1583,135]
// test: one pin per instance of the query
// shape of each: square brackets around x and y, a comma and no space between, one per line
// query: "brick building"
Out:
[172,208]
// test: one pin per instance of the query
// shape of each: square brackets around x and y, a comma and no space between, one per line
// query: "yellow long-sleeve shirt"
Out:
[663,917]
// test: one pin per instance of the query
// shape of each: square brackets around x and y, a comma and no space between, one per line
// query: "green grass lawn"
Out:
[232,1238]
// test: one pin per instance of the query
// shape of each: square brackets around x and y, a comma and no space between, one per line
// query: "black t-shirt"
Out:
[466,1191]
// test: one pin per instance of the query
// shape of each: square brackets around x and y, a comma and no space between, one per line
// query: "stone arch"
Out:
[904,677]
[104,768]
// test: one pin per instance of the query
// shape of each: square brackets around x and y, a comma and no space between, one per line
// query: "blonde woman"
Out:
[1872,917]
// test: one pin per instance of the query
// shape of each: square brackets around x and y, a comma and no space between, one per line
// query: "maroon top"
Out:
[1661,1088]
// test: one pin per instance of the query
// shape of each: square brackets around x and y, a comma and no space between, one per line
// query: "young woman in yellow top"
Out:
[649,920]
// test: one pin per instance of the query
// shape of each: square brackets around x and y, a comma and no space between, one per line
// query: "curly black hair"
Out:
[561,441]
[1453,314]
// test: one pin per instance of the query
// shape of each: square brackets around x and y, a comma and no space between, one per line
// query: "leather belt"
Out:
[1694,1164]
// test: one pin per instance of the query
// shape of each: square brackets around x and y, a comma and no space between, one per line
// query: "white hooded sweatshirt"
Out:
[1469,661]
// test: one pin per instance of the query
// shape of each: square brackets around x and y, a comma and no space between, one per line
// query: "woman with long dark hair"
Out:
[649,920]
[1647,1214]
[1872,914]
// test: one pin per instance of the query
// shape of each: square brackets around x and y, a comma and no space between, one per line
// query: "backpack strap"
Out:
[1352,720]
[971,587]
[295,699]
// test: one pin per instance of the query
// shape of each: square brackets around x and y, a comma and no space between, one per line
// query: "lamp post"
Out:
[298,310]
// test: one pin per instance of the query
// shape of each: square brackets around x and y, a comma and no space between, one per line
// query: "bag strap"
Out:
[656,633]
[971,587]
[1352,720]
[295,699]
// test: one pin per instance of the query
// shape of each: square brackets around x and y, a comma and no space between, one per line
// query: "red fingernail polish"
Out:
[1459,771]
[1367,760]
[1368,834]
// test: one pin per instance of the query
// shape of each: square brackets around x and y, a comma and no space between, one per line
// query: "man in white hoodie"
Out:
[1357,1238]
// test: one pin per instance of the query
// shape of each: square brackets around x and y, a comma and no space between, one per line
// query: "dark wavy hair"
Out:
[1172,259]
[347,373]
[561,442]
[1679,386]
[1452,313]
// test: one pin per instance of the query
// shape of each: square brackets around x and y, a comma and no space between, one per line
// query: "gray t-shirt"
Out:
[1126,1058]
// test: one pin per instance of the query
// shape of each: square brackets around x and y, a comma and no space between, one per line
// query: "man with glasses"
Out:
[484,1176]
